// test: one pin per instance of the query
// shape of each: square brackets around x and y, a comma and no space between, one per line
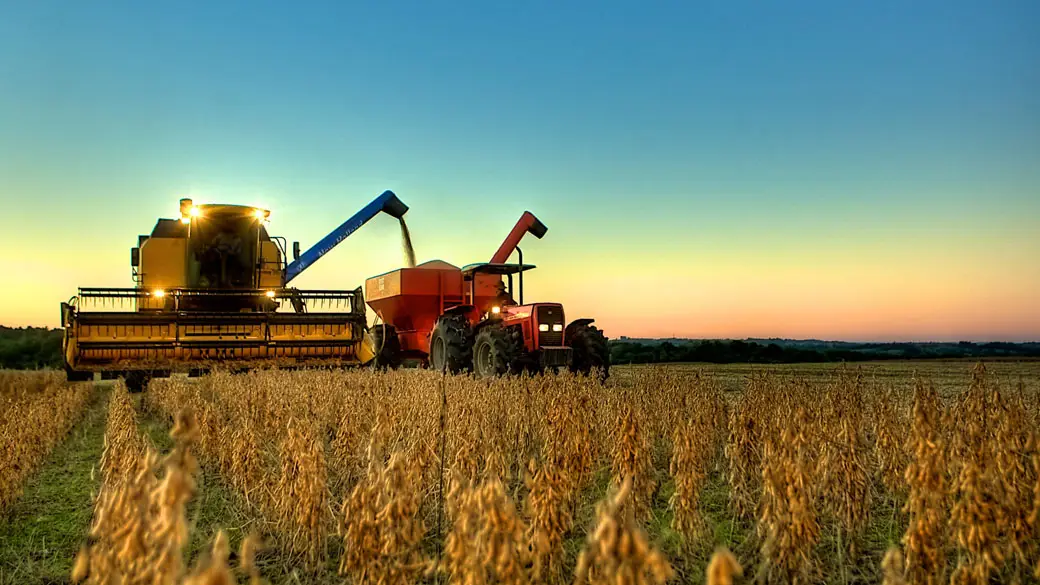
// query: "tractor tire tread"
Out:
[505,349]
[590,351]
[455,329]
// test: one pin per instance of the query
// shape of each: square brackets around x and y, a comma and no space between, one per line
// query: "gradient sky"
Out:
[840,170]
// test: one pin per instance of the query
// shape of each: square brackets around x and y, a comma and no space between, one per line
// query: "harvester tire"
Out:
[451,345]
[495,351]
[589,351]
[136,381]
[387,347]
[72,375]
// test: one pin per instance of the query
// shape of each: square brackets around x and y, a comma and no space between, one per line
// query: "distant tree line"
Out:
[738,351]
[30,348]
[27,348]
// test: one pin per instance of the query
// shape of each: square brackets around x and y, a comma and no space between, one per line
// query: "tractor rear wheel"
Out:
[495,351]
[589,351]
[451,346]
[387,347]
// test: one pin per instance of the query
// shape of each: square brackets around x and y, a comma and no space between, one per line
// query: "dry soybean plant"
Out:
[617,550]
[37,410]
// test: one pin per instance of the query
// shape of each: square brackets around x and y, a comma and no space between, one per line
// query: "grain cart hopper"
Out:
[208,291]
[466,319]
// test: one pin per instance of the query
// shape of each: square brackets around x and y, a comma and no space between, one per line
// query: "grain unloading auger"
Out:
[208,289]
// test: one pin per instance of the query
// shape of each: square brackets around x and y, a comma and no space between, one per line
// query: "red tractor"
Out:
[468,320]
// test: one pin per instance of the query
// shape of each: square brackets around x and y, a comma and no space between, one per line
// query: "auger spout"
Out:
[527,223]
[386,203]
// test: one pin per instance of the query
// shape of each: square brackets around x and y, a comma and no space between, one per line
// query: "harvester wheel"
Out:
[72,375]
[451,346]
[387,346]
[590,350]
[495,351]
[136,381]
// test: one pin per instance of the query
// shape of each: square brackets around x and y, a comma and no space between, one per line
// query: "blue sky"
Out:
[678,137]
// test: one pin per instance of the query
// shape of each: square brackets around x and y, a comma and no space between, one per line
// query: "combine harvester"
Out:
[466,320]
[209,286]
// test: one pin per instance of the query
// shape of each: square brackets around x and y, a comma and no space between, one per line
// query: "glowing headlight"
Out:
[270,294]
[259,214]
[496,310]
[543,326]
[195,211]
[558,327]
[158,293]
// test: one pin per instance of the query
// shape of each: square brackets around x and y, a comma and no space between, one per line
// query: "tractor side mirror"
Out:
[295,251]
[135,257]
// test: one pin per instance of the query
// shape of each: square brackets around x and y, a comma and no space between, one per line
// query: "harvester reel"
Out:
[590,350]
[451,348]
[496,351]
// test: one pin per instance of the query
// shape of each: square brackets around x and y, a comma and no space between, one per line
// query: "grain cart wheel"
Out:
[495,351]
[451,348]
[590,350]
[387,346]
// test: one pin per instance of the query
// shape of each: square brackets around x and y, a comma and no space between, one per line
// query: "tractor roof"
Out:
[494,268]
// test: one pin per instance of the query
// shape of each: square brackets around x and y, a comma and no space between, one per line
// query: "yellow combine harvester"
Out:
[212,291]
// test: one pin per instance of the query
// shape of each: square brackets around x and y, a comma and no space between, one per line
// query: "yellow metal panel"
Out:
[162,263]
[270,265]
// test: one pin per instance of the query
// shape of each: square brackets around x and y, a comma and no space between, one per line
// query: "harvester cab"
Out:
[474,319]
[208,291]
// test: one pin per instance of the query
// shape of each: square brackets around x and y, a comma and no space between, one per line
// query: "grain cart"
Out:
[474,318]
[212,289]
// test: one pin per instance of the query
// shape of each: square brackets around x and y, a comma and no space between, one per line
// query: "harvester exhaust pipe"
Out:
[386,203]
[528,223]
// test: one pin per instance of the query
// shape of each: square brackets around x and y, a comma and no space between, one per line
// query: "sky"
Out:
[805,169]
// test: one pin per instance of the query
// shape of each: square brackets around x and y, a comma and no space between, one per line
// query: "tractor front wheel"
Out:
[589,351]
[495,351]
[387,347]
[451,348]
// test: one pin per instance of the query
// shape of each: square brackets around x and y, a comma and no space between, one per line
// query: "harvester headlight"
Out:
[543,326]
[259,214]
[270,294]
[496,310]
[558,327]
[158,293]
[195,211]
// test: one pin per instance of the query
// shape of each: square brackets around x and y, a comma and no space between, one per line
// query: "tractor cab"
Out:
[485,275]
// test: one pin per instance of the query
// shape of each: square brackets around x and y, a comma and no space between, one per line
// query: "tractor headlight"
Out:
[259,214]
[496,310]
[558,327]
[543,327]
[185,220]
[158,293]
[195,211]
[270,294]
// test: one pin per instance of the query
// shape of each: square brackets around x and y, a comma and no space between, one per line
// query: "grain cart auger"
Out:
[461,320]
[211,290]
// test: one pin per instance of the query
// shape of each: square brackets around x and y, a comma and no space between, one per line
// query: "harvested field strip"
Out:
[42,530]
